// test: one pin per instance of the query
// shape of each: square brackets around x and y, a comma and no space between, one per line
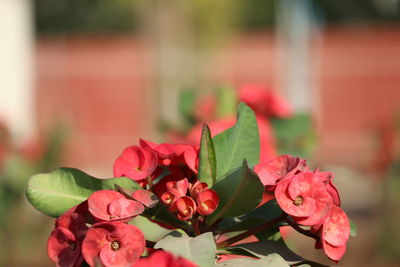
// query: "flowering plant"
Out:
[188,205]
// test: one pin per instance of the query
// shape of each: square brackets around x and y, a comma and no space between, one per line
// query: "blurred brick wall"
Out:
[103,88]
[359,82]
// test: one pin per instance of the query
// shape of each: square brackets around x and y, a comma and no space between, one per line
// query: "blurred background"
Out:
[82,80]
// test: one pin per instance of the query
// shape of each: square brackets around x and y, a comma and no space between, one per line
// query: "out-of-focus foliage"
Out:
[84,16]
[19,228]
[102,16]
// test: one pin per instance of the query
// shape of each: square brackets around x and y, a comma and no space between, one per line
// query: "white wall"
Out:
[16,79]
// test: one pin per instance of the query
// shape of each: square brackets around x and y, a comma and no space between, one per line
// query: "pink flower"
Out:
[275,170]
[162,258]
[113,244]
[136,163]
[107,205]
[264,101]
[207,201]
[304,197]
[64,243]
[335,233]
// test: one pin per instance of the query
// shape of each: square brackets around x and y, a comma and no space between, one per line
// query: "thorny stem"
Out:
[251,232]
[301,230]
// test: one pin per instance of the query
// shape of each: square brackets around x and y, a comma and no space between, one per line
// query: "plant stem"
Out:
[301,230]
[196,228]
[150,244]
[251,232]
[150,182]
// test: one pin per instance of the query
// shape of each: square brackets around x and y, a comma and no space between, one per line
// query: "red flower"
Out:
[162,258]
[175,190]
[304,197]
[136,163]
[174,155]
[186,208]
[64,243]
[196,188]
[264,101]
[275,170]
[113,244]
[207,202]
[107,205]
[326,178]
[335,233]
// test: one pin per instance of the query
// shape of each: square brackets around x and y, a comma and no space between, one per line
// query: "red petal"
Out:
[100,200]
[334,253]
[125,208]
[207,202]
[94,240]
[286,203]
[336,228]
[145,197]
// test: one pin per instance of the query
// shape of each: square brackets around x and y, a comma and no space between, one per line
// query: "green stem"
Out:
[251,232]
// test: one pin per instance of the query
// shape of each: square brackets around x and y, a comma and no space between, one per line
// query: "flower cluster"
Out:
[208,192]
[201,199]
[109,240]
[97,230]
[144,163]
[310,198]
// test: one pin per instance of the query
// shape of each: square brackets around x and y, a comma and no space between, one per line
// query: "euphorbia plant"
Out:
[203,206]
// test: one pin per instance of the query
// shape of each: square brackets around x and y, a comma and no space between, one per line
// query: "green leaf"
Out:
[240,191]
[151,230]
[207,160]
[353,229]
[55,192]
[273,260]
[161,214]
[200,249]
[265,248]
[237,143]
[254,218]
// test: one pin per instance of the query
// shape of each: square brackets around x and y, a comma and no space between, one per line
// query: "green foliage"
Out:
[353,229]
[226,102]
[55,192]
[84,16]
[207,158]
[272,259]
[254,218]
[263,249]
[199,249]
[240,191]
[295,135]
[239,142]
